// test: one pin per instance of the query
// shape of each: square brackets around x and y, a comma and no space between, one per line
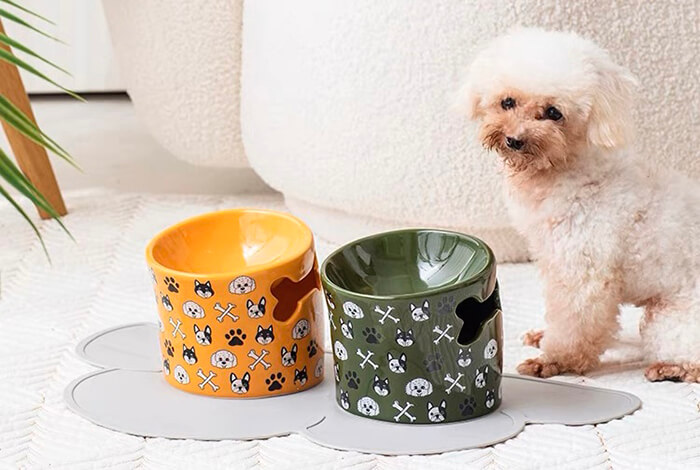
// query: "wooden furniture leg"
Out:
[31,157]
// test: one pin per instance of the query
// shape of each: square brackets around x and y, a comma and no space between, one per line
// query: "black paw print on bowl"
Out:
[353,379]
[311,348]
[275,381]
[172,284]
[468,406]
[235,337]
[169,348]
[371,335]
[433,362]
[446,304]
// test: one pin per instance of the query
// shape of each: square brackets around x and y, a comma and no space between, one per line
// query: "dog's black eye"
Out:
[507,103]
[553,113]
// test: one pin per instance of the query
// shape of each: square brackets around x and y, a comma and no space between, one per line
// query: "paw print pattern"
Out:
[169,348]
[433,362]
[446,305]
[235,337]
[275,381]
[372,336]
[353,380]
[172,284]
[312,348]
[468,406]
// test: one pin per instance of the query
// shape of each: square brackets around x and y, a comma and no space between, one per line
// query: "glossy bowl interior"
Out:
[406,262]
[230,241]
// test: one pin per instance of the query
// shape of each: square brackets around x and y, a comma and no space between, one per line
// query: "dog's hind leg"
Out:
[671,336]
[581,321]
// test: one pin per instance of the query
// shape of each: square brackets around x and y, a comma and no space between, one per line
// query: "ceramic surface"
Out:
[239,301]
[416,326]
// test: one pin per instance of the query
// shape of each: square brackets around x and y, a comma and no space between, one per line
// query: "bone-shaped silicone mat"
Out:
[132,397]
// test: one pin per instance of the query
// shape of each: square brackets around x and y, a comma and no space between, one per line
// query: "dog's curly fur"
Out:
[604,227]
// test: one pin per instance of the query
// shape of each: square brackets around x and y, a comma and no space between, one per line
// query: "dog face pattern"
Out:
[203,289]
[422,374]
[223,359]
[267,356]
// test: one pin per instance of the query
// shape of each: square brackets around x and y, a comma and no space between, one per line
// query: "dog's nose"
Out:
[514,143]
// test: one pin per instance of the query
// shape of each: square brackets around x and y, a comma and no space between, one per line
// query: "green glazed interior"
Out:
[407,262]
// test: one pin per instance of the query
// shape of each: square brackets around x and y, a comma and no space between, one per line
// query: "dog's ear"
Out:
[610,119]
[468,101]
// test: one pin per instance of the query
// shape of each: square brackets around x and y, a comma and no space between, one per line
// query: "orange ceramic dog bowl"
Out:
[239,302]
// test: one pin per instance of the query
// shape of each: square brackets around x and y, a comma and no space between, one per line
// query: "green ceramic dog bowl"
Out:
[416,326]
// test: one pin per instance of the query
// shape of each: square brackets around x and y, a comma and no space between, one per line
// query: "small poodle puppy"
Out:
[604,227]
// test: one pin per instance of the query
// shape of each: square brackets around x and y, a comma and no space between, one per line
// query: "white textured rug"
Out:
[101,281]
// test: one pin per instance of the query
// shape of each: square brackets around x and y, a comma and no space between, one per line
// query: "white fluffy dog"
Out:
[605,228]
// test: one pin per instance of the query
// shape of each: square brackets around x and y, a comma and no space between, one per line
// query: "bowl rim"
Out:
[423,293]
[153,263]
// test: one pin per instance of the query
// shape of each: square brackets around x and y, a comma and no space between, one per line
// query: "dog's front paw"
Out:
[533,338]
[539,367]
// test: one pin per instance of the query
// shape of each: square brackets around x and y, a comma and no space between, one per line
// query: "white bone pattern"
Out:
[386,314]
[207,380]
[225,312]
[258,359]
[366,359]
[454,383]
[442,333]
[403,411]
[176,328]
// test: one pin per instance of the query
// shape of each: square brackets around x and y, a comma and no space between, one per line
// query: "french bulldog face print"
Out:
[301,329]
[153,275]
[318,370]
[491,349]
[181,375]
[464,358]
[166,366]
[344,399]
[490,399]
[289,356]
[397,364]
[340,352]
[346,328]
[203,289]
[404,338]
[256,310]
[189,355]
[223,359]
[241,385]
[264,335]
[381,386]
[437,413]
[420,313]
[300,376]
[419,387]
[242,285]
[482,376]
[336,372]
[367,406]
[203,337]
[192,309]
[353,310]
[165,300]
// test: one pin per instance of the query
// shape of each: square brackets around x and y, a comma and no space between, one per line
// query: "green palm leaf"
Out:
[26,217]
[21,183]
[11,58]
[26,10]
[17,119]
[4,39]
[16,19]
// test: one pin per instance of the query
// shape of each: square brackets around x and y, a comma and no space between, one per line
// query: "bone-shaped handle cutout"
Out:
[473,315]
[289,293]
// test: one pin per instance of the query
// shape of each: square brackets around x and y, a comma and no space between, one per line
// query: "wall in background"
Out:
[87,53]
